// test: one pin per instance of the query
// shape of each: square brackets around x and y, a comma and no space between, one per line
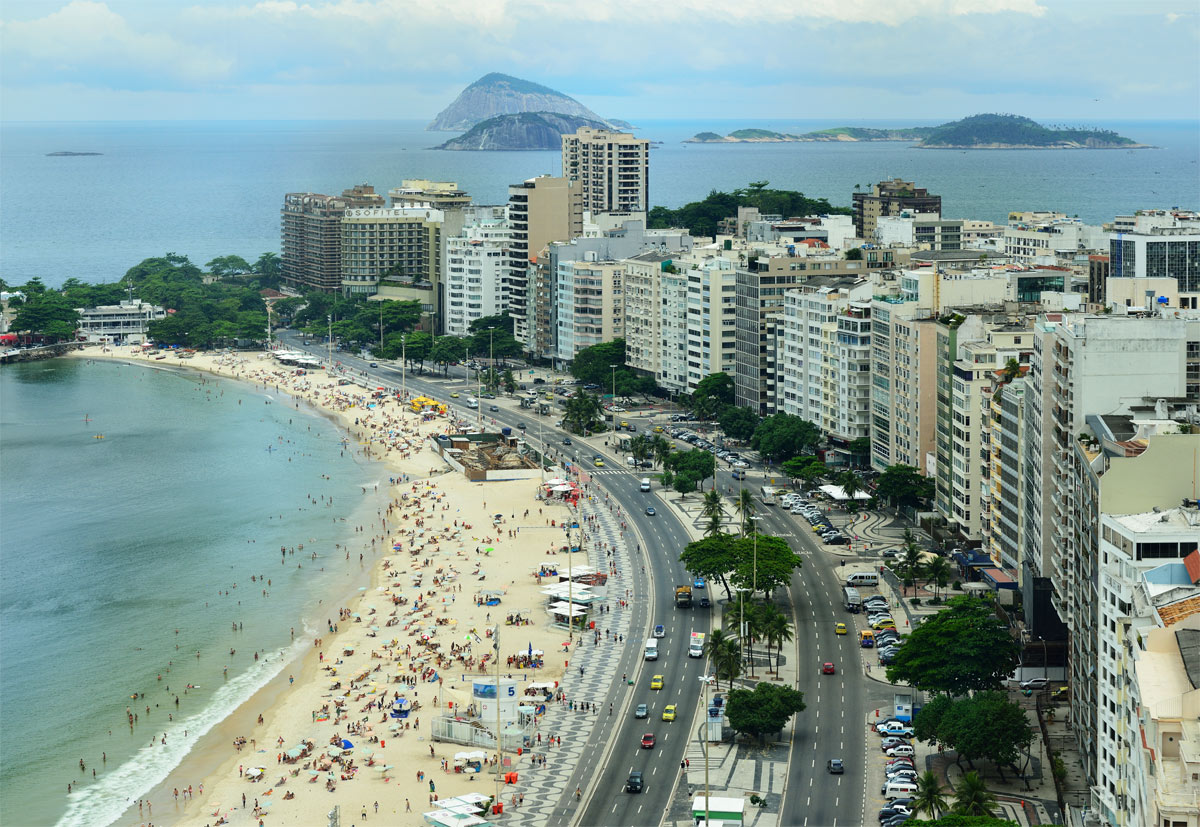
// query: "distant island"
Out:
[849,134]
[65,154]
[496,94]
[986,131]
[520,131]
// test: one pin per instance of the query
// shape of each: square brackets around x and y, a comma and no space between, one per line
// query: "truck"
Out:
[851,600]
[683,597]
[651,649]
[696,645]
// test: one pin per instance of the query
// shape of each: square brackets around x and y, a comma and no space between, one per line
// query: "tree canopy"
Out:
[782,436]
[593,366]
[764,710]
[765,561]
[964,648]
[712,558]
[903,485]
[738,423]
[703,217]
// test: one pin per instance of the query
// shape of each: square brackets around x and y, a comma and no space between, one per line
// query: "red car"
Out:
[827,669]
[648,741]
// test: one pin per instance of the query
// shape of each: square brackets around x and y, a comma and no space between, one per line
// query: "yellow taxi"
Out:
[599,463]
[658,429]
[840,628]
[886,623]
[669,713]
[454,395]
[656,682]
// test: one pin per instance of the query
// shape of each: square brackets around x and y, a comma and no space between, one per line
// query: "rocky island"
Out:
[496,94]
[521,131]
[986,131]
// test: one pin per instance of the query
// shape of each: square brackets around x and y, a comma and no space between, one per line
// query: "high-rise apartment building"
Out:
[590,305]
[311,236]
[824,344]
[612,169]
[971,346]
[476,270]
[903,379]
[890,198]
[647,314]
[1044,238]
[1086,372]
[540,210]
[1170,251]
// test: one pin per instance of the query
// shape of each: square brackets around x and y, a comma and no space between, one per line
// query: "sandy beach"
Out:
[419,633]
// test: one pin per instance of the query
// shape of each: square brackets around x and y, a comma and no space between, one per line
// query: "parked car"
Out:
[892,741]
[899,749]
[897,728]
[881,725]
[1035,683]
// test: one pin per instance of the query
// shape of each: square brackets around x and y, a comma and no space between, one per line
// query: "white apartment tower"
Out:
[477,268]
[612,168]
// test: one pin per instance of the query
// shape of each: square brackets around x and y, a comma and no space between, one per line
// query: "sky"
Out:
[1077,61]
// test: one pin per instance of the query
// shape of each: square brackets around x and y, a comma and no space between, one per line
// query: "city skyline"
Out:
[279,59]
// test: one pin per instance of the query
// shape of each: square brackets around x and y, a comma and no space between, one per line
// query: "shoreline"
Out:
[282,704]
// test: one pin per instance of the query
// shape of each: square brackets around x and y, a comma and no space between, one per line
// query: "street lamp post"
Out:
[754,583]
[707,681]
[614,396]
[329,344]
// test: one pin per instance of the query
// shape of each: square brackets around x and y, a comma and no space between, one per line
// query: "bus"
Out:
[769,495]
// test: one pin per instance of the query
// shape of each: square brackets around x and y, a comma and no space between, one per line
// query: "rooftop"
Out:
[1167,521]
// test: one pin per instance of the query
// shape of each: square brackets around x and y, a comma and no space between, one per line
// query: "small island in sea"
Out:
[68,154]
[520,131]
[975,132]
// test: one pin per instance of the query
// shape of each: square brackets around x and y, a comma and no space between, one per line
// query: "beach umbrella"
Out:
[346,744]
[254,772]
[314,773]
[295,752]
[333,752]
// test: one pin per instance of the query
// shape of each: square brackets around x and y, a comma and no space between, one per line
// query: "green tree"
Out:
[697,464]
[782,436]
[223,266]
[350,330]
[929,719]
[717,387]
[509,381]
[973,798]
[763,711]
[745,507]
[957,820]
[764,562]
[987,725]
[581,412]
[712,558]
[903,485]
[269,267]
[850,484]
[911,564]
[447,349]
[854,254]
[938,572]
[929,799]
[712,508]
[661,450]
[47,313]
[499,322]
[683,483]
[724,651]
[737,423]
[777,630]
[416,347]
[393,316]
[702,218]
[593,365]
[964,648]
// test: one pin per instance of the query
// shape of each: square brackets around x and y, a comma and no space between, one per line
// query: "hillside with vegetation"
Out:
[991,131]
[520,131]
[496,94]
[988,131]
[702,217]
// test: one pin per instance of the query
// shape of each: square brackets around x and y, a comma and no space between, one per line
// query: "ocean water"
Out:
[116,555]
[211,188]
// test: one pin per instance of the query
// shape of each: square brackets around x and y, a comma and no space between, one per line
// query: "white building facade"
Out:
[477,271]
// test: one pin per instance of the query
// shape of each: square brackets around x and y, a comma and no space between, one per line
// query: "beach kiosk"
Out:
[724,812]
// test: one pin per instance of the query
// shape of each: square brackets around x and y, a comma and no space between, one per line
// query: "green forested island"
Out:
[988,131]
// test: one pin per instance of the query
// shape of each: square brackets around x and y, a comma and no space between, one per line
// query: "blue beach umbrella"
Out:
[346,744]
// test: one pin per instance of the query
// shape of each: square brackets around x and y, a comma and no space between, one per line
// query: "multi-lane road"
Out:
[832,726]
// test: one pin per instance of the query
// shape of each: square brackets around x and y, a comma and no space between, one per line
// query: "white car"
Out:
[741,464]
[1035,683]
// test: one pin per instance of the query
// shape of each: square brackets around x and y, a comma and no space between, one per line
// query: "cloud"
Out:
[84,36]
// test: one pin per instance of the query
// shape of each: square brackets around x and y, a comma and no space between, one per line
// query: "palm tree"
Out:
[711,507]
[757,616]
[744,506]
[725,652]
[778,631]
[661,450]
[851,485]
[937,571]
[639,448]
[714,526]
[910,564]
[929,797]
[972,797]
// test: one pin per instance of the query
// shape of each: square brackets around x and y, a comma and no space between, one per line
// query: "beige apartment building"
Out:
[612,169]
[311,235]
[903,379]
[890,198]
[540,210]
[645,314]
[590,305]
